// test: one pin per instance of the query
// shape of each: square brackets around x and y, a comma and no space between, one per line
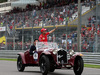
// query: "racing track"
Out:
[9,68]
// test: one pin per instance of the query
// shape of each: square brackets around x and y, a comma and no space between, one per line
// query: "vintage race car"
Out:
[49,57]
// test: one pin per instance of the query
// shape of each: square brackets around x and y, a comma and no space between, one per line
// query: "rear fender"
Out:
[23,57]
[72,59]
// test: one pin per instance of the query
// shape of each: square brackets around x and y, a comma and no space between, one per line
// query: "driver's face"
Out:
[44,32]
[35,42]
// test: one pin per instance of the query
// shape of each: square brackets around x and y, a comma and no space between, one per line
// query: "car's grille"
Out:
[62,56]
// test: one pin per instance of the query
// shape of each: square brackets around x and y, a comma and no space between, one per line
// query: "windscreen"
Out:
[46,45]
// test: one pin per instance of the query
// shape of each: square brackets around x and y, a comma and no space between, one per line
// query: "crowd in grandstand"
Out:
[87,36]
[39,15]
[43,15]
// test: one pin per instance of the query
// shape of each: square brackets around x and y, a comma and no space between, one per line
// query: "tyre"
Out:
[52,69]
[20,65]
[69,67]
[44,65]
[78,66]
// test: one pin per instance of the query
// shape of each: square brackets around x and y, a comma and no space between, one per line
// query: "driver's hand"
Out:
[56,27]
[33,52]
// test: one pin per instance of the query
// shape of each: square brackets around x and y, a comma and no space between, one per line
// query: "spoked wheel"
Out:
[44,65]
[78,66]
[20,65]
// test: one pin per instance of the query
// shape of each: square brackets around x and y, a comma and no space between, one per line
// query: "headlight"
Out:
[71,52]
[81,54]
[55,51]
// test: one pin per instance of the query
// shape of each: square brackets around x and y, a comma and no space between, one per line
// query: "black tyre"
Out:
[44,65]
[78,66]
[20,65]
[69,67]
[52,69]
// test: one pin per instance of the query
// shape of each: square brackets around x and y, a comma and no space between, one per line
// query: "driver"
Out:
[33,47]
[44,33]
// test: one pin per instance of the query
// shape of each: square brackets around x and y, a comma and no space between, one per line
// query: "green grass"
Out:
[92,66]
[8,59]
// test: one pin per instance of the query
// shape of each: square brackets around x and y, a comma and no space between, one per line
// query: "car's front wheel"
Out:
[44,65]
[52,69]
[69,67]
[20,65]
[78,66]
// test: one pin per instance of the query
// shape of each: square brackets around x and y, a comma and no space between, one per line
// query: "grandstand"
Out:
[23,3]
[24,23]
[5,7]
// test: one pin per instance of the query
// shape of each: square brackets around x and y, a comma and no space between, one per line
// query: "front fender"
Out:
[46,53]
[23,57]
[72,59]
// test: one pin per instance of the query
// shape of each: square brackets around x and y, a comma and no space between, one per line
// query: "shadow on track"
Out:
[32,71]
[54,73]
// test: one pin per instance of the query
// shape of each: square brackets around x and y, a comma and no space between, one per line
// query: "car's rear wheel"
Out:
[44,65]
[78,66]
[20,65]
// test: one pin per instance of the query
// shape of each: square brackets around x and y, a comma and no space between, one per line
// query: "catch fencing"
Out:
[22,28]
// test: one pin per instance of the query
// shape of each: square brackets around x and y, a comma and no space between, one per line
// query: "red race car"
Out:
[49,57]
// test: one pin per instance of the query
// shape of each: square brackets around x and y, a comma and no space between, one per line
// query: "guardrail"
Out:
[91,58]
[9,53]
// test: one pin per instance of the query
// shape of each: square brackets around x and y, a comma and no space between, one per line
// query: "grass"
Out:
[92,66]
[85,65]
[8,59]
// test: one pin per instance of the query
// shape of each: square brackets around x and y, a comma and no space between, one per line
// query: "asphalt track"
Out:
[9,68]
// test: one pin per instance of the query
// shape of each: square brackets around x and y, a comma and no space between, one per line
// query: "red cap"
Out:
[43,29]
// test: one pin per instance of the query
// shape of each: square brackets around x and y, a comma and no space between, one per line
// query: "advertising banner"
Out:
[2,29]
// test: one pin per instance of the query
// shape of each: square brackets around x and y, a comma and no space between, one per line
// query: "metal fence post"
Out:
[6,35]
[23,33]
[14,34]
[53,38]
[96,24]
[80,43]
[54,26]
[43,18]
[32,30]
[79,24]
[66,41]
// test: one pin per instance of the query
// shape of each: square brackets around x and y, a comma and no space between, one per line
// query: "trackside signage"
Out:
[2,29]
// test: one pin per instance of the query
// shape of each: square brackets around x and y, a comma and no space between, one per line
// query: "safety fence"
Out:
[88,44]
